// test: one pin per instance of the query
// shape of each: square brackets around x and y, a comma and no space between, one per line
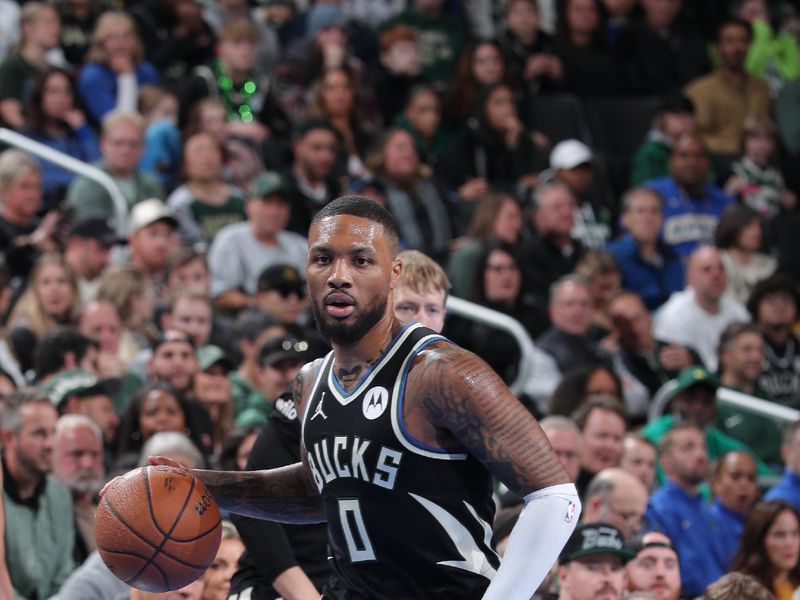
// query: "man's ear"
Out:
[397,271]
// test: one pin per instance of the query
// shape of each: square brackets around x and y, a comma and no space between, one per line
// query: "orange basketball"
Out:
[158,528]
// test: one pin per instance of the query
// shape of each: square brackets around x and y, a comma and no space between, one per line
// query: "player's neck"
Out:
[353,360]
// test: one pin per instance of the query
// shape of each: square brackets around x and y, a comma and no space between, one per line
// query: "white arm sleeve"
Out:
[127,92]
[543,527]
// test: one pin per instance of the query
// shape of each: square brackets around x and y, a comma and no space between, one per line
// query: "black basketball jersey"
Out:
[405,520]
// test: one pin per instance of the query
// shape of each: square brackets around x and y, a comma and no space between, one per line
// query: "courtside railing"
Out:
[12,138]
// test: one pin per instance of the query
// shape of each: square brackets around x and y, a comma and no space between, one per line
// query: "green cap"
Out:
[210,355]
[266,183]
[77,382]
[692,376]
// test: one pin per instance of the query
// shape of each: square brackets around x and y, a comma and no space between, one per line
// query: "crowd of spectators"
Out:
[171,318]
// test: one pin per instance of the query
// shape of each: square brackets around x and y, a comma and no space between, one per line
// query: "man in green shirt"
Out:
[121,144]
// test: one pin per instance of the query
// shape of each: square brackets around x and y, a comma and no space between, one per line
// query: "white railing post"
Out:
[12,138]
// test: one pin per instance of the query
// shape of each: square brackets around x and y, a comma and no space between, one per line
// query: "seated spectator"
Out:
[756,180]
[115,68]
[190,312]
[788,487]
[639,457]
[733,483]
[133,295]
[162,140]
[187,269]
[550,252]
[40,29]
[674,118]
[692,206]
[678,510]
[567,340]
[578,385]
[723,99]
[121,144]
[54,120]
[770,548]
[774,54]
[313,178]
[422,118]
[243,160]
[592,563]
[601,271]
[498,285]
[204,204]
[639,355]
[150,237]
[237,448]
[567,441]
[217,578]
[176,445]
[571,161]
[741,356]
[88,253]
[696,317]
[251,331]
[649,266]
[590,68]
[334,97]
[173,360]
[61,349]
[773,305]
[39,539]
[78,465]
[693,402]
[601,420]
[615,496]
[212,389]
[412,197]
[495,150]
[78,19]
[397,72]
[78,392]
[528,50]
[656,567]
[660,52]
[242,251]
[421,292]
[50,298]
[23,237]
[481,66]
[281,293]
[496,217]
[737,585]
[441,38]
[738,236]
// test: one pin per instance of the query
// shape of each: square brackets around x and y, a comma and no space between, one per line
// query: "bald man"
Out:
[617,497]
[696,316]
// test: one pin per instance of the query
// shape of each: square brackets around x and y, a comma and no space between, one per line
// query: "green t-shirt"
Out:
[210,219]
[245,397]
[89,199]
[16,77]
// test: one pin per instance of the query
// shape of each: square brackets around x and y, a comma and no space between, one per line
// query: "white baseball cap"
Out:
[570,154]
[148,212]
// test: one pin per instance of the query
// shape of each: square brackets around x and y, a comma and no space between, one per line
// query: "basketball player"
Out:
[402,432]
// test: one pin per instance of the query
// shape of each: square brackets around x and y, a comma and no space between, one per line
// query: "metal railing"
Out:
[12,138]
[498,320]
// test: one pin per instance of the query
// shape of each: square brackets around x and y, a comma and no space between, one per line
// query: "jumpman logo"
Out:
[318,410]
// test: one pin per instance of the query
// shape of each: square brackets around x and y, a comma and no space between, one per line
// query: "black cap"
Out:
[591,539]
[676,104]
[172,335]
[282,278]
[280,348]
[95,228]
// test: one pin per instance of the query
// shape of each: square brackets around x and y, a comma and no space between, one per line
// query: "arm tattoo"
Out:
[462,395]
[285,494]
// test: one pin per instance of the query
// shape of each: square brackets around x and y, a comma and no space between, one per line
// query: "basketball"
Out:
[158,528]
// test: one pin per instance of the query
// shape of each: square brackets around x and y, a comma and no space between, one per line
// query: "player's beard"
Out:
[343,334]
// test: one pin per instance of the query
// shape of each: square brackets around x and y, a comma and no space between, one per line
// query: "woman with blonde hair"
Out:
[133,296]
[115,67]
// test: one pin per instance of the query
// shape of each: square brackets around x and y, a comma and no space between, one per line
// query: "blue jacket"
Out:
[730,524]
[689,222]
[689,523]
[97,86]
[81,144]
[654,284]
[787,489]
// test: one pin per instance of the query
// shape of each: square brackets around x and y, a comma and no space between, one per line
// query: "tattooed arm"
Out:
[460,394]
[286,494]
